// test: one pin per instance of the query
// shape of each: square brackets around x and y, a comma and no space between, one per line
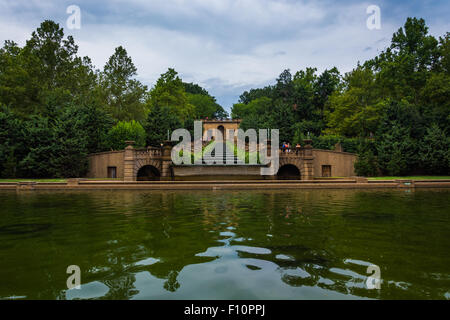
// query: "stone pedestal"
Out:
[25,185]
[307,170]
[361,180]
[166,160]
[128,163]
[405,183]
[72,181]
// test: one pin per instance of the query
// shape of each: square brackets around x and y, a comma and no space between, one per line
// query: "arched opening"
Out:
[148,173]
[288,172]
[222,130]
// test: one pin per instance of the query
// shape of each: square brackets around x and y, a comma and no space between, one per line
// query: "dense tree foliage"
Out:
[393,110]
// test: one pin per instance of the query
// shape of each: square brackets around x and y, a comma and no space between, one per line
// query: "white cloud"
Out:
[224,45]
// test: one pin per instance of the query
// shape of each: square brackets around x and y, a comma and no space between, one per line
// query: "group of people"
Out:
[286,147]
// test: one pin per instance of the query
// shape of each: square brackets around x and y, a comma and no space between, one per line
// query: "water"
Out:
[302,244]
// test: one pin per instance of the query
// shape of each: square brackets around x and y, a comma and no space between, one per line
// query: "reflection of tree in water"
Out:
[172,284]
[121,286]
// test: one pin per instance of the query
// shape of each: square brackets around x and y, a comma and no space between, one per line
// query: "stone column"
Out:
[307,170]
[129,162]
[166,160]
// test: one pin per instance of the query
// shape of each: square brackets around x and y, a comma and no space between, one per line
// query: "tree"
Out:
[169,93]
[94,123]
[397,151]
[160,121]
[126,131]
[70,146]
[205,106]
[358,110]
[40,136]
[123,95]
[11,142]
[253,94]
[434,151]
[46,72]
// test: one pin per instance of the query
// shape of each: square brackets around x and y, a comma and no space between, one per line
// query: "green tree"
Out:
[40,136]
[160,121]
[11,142]
[434,151]
[123,95]
[169,93]
[397,151]
[126,131]
[45,72]
[358,110]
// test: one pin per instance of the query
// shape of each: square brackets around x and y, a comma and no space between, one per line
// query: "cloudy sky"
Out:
[227,46]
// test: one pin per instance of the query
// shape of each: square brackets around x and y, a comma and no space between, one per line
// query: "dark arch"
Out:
[222,129]
[148,173]
[288,172]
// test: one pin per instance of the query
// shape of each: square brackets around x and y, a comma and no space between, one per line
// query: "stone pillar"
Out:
[129,162]
[72,182]
[166,160]
[25,185]
[307,170]
[405,183]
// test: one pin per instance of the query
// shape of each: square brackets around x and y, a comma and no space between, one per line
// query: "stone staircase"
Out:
[222,157]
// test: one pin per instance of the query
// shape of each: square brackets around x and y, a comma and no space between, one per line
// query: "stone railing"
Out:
[149,152]
[293,153]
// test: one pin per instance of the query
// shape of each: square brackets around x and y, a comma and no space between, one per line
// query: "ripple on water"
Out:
[254,250]
[297,273]
[227,234]
[147,262]
[284,257]
[24,228]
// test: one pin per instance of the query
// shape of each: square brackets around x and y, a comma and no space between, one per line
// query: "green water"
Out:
[305,244]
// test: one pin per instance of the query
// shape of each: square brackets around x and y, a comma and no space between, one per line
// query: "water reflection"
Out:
[225,245]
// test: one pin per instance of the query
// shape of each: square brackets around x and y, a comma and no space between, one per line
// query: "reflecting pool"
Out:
[288,244]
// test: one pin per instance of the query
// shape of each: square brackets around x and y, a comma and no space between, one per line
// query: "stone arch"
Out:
[222,130]
[289,170]
[293,161]
[148,173]
[141,163]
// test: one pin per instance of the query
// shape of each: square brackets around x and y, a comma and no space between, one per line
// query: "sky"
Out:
[226,46]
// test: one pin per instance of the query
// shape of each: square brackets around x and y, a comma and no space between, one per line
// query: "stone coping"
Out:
[216,185]
[105,152]
[221,121]
[333,151]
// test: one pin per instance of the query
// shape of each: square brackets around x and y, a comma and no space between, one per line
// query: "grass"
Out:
[411,178]
[56,180]
[33,180]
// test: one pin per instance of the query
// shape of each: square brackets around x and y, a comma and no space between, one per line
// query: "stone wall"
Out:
[218,170]
[99,163]
[342,163]
[214,125]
